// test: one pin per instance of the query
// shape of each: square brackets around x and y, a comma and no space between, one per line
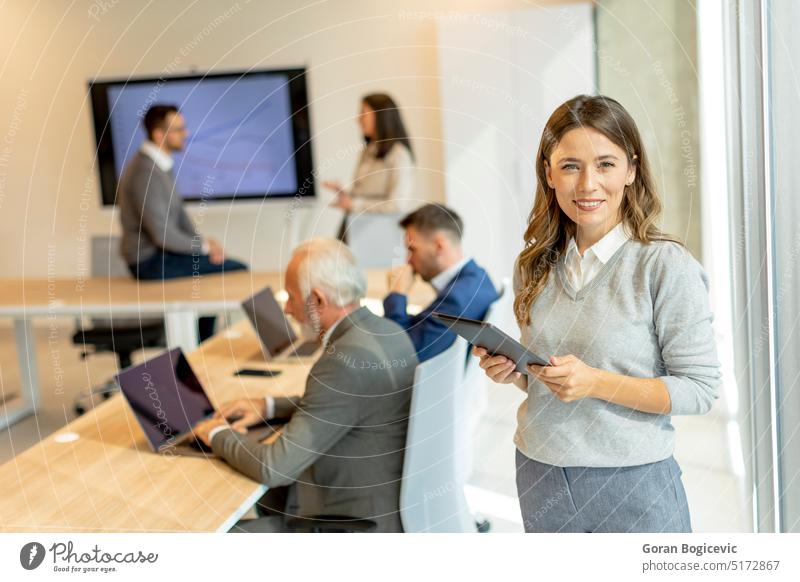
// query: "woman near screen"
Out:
[384,177]
[623,309]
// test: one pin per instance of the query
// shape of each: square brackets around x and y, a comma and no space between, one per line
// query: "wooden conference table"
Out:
[99,474]
[178,301]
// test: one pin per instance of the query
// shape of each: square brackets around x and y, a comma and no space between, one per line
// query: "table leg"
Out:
[182,330]
[28,401]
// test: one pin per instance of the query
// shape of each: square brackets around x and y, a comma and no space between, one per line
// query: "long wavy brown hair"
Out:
[549,229]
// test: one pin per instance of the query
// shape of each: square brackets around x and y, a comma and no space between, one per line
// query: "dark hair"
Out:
[432,218]
[156,117]
[389,128]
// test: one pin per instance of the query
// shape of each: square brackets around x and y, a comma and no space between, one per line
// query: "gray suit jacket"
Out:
[152,213]
[343,448]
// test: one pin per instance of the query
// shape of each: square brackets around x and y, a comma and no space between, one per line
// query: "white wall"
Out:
[502,75]
[49,200]
[647,59]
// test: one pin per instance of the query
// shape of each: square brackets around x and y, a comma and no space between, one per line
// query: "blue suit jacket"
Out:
[469,294]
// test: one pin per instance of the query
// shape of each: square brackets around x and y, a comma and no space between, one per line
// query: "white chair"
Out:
[432,496]
[432,492]
[106,258]
[376,239]
[473,398]
[106,261]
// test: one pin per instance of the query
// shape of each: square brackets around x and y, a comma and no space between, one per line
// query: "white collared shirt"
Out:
[327,336]
[162,159]
[581,270]
[441,280]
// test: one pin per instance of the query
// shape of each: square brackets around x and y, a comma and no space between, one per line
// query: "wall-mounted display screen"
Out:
[249,135]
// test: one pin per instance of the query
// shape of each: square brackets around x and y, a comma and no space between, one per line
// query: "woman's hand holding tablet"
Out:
[498,368]
[494,340]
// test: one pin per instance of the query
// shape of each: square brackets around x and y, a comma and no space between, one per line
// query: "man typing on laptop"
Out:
[341,452]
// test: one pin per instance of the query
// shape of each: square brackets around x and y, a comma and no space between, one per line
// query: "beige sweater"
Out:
[384,185]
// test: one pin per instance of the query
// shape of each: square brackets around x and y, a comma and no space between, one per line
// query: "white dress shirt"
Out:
[441,280]
[162,159]
[581,270]
[327,337]
[165,163]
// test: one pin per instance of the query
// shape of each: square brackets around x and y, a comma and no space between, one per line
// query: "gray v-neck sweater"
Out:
[645,314]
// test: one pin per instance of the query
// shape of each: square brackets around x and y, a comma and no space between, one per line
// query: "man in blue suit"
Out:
[433,238]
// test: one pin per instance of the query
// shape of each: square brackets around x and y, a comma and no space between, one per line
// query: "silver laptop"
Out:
[273,329]
[168,400]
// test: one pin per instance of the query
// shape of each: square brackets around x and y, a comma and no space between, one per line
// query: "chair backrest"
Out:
[376,239]
[473,398]
[108,262]
[432,493]
[106,259]
[500,314]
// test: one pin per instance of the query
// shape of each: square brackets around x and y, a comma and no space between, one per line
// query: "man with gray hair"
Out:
[341,453]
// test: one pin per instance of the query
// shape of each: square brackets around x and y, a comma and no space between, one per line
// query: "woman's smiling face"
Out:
[589,173]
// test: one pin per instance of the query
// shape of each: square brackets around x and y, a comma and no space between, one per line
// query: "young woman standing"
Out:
[623,310]
[384,177]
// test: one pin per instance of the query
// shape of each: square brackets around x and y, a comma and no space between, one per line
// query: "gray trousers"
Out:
[644,498]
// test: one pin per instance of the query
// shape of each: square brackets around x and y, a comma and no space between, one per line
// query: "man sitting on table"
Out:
[342,449]
[433,239]
[159,240]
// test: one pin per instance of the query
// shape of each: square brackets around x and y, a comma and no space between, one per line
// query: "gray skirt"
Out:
[644,498]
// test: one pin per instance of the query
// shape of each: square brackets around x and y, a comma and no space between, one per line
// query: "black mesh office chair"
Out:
[121,336]
[330,524]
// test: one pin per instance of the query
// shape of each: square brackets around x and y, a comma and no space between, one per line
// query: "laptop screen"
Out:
[270,323]
[166,396]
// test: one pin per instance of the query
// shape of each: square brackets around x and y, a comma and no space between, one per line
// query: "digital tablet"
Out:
[494,340]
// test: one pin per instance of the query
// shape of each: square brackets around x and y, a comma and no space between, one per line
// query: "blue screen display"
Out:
[241,142]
